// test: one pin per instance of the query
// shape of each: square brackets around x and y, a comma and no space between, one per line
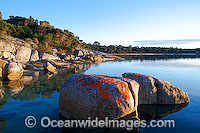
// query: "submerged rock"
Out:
[15,87]
[156,91]
[3,124]
[13,71]
[27,80]
[84,96]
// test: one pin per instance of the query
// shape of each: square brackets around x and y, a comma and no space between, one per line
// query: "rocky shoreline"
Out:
[21,63]
[19,56]
[101,96]
[84,96]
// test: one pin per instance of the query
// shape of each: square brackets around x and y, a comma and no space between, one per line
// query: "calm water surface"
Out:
[40,96]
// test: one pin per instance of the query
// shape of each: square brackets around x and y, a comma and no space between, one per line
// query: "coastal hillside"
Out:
[41,33]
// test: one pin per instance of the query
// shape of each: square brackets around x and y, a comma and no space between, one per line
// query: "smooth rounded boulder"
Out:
[84,96]
[156,91]
[13,71]
[23,54]
[46,56]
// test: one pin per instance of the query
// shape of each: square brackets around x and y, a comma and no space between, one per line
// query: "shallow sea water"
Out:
[40,97]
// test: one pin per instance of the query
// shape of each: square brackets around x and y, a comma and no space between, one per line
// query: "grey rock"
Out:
[23,54]
[48,56]
[34,55]
[156,91]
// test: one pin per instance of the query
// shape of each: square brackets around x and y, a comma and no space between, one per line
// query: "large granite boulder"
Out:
[13,71]
[23,54]
[8,55]
[84,96]
[156,91]
[7,46]
[46,56]
[34,55]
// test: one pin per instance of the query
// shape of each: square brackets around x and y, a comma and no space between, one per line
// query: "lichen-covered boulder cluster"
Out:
[84,96]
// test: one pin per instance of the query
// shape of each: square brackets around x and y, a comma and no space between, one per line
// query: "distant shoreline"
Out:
[163,54]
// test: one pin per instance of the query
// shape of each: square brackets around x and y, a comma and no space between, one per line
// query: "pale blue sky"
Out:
[114,21]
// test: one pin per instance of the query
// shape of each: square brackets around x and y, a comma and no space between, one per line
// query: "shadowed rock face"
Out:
[49,67]
[156,91]
[34,55]
[84,96]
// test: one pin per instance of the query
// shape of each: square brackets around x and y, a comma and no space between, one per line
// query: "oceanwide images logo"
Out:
[46,122]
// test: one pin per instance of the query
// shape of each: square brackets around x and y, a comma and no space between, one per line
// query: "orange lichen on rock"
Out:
[106,93]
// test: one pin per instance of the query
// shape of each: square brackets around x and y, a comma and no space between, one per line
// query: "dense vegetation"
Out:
[45,36]
[129,49]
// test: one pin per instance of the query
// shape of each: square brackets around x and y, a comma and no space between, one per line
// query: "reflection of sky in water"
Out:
[184,63]
[177,71]
[187,43]
[183,73]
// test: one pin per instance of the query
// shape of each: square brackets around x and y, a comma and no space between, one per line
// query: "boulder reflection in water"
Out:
[150,112]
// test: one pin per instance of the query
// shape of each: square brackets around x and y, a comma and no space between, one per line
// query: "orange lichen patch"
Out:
[106,93]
